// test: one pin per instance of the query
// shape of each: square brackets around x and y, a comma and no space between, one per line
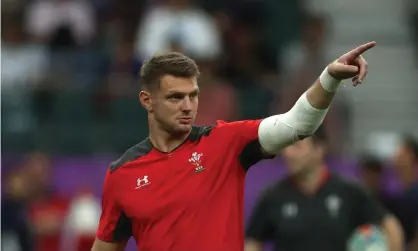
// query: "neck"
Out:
[163,140]
[309,181]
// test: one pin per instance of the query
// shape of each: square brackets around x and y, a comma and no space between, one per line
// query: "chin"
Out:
[183,128]
[298,170]
[295,171]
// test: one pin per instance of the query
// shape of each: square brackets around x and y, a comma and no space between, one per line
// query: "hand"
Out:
[351,65]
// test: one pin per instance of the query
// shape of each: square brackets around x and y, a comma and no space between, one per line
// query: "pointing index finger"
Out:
[361,49]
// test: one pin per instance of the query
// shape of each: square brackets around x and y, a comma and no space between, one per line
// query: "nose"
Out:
[186,105]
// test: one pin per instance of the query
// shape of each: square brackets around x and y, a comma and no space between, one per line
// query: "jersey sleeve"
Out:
[245,131]
[114,225]
[244,137]
[368,209]
[260,227]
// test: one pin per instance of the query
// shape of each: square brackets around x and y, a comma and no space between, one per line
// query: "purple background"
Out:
[74,173]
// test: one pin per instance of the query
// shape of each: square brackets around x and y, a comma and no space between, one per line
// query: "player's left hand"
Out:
[351,65]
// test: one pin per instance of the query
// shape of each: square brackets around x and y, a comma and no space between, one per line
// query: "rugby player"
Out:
[182,188]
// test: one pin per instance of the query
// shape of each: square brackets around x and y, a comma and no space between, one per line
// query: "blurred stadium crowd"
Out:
[69,88]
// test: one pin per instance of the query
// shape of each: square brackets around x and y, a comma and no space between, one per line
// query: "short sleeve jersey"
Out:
[188,199]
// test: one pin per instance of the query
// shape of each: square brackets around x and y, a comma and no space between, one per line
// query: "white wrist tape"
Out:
[278,131]
[328,82]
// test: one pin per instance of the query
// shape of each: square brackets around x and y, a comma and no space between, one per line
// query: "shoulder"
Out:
[221,123]
[277,189]
[143,148]
[139,150]
[200,131]
[220,127]
[238,126]
[351,185]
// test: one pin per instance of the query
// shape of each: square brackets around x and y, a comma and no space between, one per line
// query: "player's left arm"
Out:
[370,211]
[304,118]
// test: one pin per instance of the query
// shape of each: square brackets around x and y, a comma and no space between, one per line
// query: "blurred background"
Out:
[69,95]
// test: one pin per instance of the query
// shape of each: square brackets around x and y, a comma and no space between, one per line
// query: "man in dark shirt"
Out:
[313,209]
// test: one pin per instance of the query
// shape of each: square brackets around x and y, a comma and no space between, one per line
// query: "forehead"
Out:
[169,83]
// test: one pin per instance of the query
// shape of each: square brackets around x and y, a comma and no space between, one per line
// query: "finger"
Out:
[362,64]
[354,80]
[361,49]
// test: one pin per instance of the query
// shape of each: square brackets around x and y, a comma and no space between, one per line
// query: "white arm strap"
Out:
[278,131]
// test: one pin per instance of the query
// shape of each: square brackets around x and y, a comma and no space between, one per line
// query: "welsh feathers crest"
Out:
[196,161]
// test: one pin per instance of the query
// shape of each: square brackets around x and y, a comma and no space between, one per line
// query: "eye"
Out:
[176,97]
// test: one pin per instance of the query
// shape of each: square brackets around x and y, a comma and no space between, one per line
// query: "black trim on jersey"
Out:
[251,154]
[132,153]
[198,132]
[143,148]
[123,228]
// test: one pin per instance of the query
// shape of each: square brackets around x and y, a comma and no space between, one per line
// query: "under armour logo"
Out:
[142,182]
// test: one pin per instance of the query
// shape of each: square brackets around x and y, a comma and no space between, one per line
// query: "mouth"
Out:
[185,120]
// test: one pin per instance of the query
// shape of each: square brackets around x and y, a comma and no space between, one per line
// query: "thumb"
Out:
[348,69]
[342,71]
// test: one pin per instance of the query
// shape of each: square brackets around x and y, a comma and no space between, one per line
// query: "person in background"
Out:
[122,69]
[300,61]
[80,225]
[313,209]
[61,23]
[67,28]
[47,208]
[220,99]
[23,70]
[406,205]
[16,233]
[371,174]
[194,30]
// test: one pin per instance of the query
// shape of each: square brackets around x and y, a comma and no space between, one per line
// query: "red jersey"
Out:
[190,199]
[54,208]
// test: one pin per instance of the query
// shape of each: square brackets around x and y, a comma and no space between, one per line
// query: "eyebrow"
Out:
[196,91]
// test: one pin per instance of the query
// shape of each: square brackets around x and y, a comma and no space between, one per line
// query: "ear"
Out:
[145,100]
